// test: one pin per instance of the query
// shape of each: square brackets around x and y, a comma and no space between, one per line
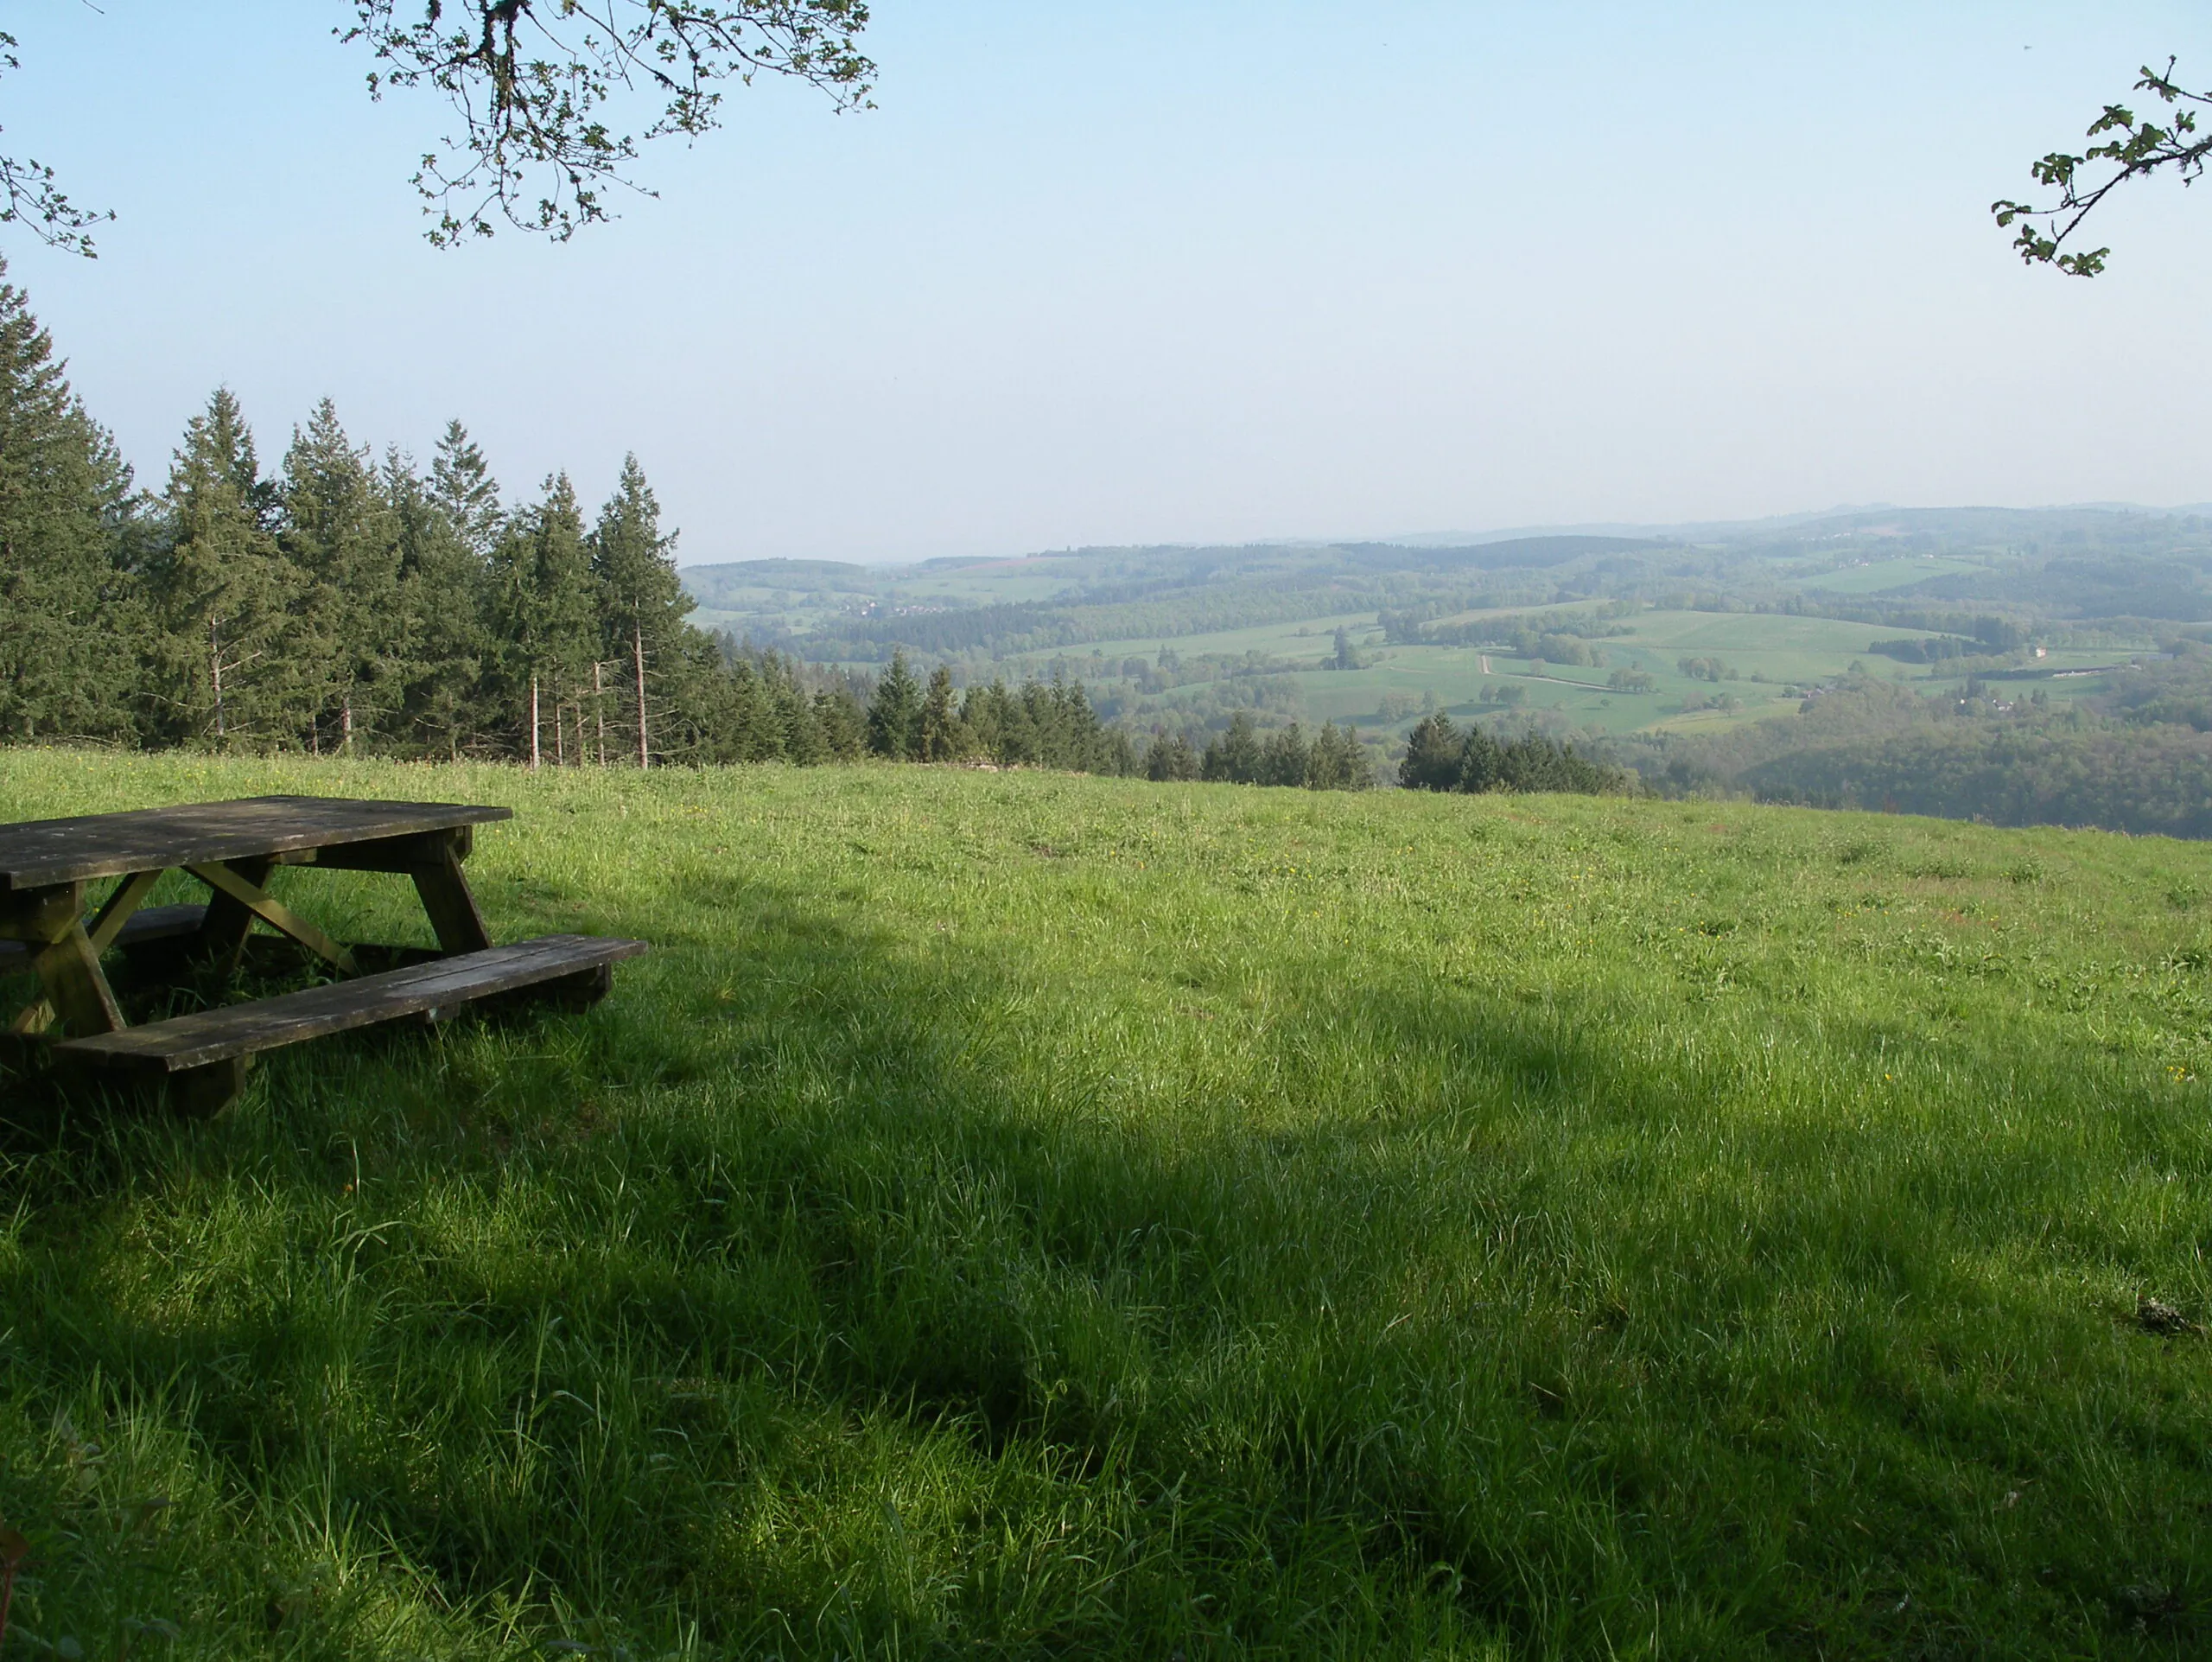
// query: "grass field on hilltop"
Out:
[1025,1215]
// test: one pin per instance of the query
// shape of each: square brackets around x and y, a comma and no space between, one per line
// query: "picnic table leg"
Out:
[74,987]
[222,935]
[445,895]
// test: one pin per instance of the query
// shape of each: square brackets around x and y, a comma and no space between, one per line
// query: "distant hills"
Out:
[1973,526]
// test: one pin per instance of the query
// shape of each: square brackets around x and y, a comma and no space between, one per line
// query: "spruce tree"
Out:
[546,616]
[1169,758]
[894,714]
[443,591]
[1234,757]
[941,736]
[1285,757]
[1433,755]
[349,637]
[67,666]
[462,489]
[642,601]
[221,593]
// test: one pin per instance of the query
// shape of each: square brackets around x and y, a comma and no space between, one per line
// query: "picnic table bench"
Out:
[46,867]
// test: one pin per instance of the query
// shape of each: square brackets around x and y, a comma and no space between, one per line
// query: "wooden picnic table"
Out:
[46,867]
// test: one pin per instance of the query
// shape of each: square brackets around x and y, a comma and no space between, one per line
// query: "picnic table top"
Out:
[41,853]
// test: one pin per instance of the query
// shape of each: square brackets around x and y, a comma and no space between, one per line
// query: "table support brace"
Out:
[227,881]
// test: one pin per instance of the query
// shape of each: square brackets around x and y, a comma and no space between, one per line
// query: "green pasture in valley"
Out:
[1878,576]
[1028,1215]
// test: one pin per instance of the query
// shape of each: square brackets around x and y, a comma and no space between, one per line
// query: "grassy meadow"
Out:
[1025,1215]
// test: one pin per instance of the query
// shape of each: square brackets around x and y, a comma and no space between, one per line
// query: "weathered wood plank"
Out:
[429,991]
[401,854]
[43,852]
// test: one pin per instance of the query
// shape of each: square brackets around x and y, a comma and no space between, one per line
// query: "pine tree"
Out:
[1481,763]
[1169,757]
[642,599]
[1337,763]
[349,640]
[462,489]
[941,736]
[843,722]
[1285,757]
[894,714]
[66,667]
[444,585]
[220,591]
[545,613]
[1433,754]
[1234,757]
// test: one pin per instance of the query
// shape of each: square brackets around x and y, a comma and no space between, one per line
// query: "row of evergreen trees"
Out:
[1441,757]
[346,601]
[1241,755]
[354,602]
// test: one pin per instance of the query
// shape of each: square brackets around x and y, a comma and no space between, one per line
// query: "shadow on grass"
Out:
[794,1295]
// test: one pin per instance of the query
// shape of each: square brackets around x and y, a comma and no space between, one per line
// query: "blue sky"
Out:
[1107,273]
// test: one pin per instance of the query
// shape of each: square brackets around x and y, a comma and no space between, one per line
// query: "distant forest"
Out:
[2139,759]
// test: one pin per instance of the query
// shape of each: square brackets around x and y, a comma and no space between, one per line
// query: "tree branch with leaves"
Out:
[537,84]
[31,197]
[2134,147]
[555,99]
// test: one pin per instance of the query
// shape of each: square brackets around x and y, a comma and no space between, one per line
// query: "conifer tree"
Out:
[462,489]
[1336,763]
[545,612]
[221,592]
[66,667]
[642,599]
[941,736]
[894,714]
[1169,758]
[347,650]
[443,591]
[1433,755]
[842,722]
[1234,757]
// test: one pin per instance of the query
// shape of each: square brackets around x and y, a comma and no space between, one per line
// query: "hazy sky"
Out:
[1218,269]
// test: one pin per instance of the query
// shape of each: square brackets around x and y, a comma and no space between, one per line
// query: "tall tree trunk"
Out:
[637,654]
[215,669]
[560,735]
[599,709]
[533,723]
[345,726]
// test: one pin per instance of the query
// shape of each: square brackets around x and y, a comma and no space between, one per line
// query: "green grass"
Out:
[1032,1216]
[1877,576]
[1785,650]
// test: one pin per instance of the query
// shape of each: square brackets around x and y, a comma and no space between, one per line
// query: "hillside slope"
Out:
[1030,1215]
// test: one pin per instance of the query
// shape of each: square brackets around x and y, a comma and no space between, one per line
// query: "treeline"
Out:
[1442,757]
[351,603]
[1241,755]
[2137,758]
[345,603]
[2147,780]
